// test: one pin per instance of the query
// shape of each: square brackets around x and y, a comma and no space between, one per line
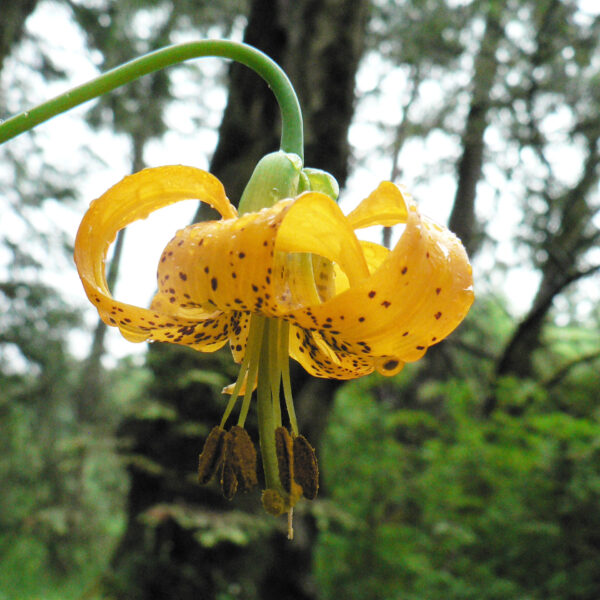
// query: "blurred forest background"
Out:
[473,474]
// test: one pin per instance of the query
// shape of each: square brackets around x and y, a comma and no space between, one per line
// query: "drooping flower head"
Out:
[286,277]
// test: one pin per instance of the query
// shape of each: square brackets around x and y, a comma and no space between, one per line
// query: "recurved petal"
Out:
[387,206]
[129,200]
[374,254]
[321,358]
[238,337]
[417,296]
[315,224]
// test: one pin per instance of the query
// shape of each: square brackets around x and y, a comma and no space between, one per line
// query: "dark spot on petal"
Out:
[372,294]
[390,365]
[182,276]
[213,283]
[404,270]
[437,315]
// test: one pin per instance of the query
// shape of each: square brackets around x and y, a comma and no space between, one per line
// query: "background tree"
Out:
[184,558]
[473,474]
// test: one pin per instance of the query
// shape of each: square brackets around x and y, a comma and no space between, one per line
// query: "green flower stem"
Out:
[271,72]
[266,418]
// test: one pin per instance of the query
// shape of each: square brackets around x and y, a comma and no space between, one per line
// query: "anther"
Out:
[210,458]
[239,462]
[244,458]
[306,468]
[285,463]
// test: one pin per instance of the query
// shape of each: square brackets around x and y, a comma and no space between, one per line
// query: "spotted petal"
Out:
[416,296]
[131,199]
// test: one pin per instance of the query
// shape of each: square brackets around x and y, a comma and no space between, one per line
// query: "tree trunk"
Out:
[564,248]
[462,219]
[12,24]
[185,541]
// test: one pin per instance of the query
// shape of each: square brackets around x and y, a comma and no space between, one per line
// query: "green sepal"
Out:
[320,181]
[276,176]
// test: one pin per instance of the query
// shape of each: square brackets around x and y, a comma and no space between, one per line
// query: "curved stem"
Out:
[269,70]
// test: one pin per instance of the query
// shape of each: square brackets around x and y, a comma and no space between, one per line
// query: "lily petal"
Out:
[417,296]
[385,206]
[320,359]
[131,199]
[314,223]
[226,265]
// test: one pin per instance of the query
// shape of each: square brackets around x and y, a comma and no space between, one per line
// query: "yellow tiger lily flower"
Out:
[365,308]
[289,279]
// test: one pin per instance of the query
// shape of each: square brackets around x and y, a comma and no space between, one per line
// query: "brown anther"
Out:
[229,480]
[283,449]
[210,458]
[306,468]
[239,462]
[243,458]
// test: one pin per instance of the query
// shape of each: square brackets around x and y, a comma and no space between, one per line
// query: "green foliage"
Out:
[464,508]
[423,498]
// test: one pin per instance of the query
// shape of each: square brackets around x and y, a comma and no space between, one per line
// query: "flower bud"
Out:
[275,177]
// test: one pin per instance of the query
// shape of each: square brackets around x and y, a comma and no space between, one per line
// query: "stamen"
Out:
[284,366]
[252,350]
[285,460]
[255,335]
[274,370]
[290,535]
[239,463]
[211,456]
[252,372]
[306,468]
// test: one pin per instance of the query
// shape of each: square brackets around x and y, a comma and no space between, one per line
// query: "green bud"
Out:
[321,181]
[275,177]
